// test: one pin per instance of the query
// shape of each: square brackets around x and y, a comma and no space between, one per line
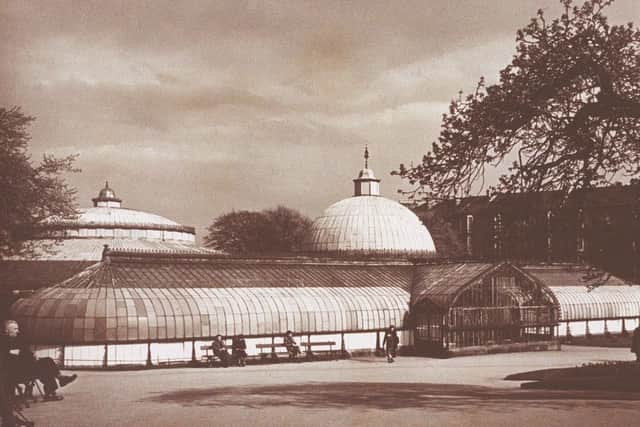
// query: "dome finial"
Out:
[366,184]
[106,198]
[366,157]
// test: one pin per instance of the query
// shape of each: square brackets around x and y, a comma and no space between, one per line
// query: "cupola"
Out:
[366,184]
[106,198]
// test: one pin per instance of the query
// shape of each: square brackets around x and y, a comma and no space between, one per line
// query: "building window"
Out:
[469,232]
[497,235]
[549,234]
[580,233]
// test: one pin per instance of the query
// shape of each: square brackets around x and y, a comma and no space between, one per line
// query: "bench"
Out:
[310,344]
[303,345]
[208,357]
[273,353]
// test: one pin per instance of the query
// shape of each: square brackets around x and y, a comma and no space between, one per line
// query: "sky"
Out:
[191,109]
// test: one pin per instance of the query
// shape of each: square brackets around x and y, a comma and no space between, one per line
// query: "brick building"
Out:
[600,226]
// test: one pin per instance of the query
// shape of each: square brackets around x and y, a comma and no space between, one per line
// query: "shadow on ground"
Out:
[390,396]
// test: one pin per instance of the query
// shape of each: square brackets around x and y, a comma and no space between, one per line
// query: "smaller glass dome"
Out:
[108,219]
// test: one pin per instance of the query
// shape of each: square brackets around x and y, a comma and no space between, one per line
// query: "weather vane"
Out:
[366,157]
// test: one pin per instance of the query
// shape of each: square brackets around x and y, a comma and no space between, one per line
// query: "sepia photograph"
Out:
[319,213]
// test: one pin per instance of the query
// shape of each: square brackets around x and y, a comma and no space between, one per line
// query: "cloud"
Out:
[192,108]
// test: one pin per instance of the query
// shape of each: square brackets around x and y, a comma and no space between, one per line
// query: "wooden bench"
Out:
[309,345]
[273,353]
[208,357]
[303,345]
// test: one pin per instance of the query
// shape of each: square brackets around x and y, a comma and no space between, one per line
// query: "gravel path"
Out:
[465,391]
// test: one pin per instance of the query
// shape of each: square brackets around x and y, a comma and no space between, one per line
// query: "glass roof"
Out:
[142,297]
[604,302]
[75,315]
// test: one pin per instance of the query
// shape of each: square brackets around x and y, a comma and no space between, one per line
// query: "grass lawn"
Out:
[609,340]
[613,376]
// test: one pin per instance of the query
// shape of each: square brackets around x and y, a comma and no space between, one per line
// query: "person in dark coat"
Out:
[6,409]
[9,334]
[47,371]
[390,343]
[25,367]
[239,349]
[292,346]
[220,350]
[635,343]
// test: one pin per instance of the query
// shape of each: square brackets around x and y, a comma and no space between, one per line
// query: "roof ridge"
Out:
[200,254]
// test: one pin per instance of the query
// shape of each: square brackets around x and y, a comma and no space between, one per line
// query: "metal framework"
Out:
[499,305]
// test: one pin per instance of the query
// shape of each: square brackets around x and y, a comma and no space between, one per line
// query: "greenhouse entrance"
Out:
[481,308]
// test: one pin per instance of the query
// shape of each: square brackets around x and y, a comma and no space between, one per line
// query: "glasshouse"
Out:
[464,308]
[590,301]
[124,287]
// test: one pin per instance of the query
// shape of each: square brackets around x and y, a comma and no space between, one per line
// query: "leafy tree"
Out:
[273,231]
[29,192]
[237,232]
[288,229]
[443,225]
[566,111]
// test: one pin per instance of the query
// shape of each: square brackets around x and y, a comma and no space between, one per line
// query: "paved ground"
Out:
[465,391]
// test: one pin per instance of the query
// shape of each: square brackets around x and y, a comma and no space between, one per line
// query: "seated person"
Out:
[10,413]
[635,344]
[6,389]
[48,373]
[6,410]
[239,350]
[290,343]
[220,350]
[24,367]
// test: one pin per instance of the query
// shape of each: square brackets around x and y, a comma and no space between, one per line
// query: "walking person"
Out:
[390,343]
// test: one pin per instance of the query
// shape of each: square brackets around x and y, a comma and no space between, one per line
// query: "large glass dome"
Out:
[368,223]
